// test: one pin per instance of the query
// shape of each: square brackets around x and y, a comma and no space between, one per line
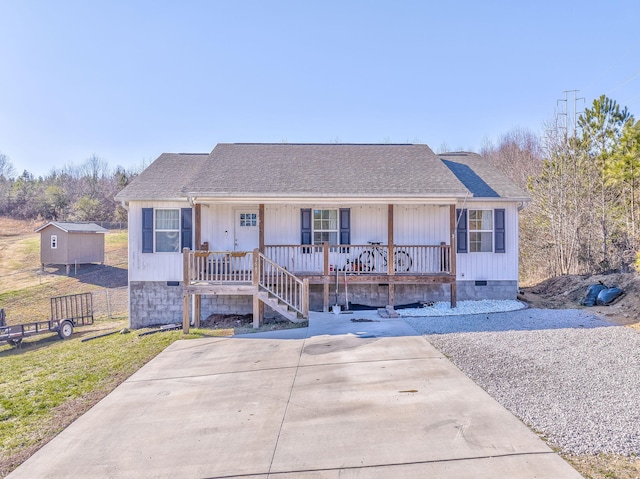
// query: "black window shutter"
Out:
[186,227]
[305,226]
[461,231]
[147,230]
[500,234]
[345,226]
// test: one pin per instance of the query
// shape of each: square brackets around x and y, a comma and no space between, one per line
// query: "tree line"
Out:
[584,182]
[82,192]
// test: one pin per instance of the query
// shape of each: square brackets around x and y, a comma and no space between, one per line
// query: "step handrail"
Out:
[269,276]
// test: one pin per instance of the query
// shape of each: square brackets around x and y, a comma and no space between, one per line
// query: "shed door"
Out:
[247,232]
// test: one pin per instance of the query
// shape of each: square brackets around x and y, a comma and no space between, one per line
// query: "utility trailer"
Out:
[67,312]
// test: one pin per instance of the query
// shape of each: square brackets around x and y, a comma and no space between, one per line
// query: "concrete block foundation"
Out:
[160,302]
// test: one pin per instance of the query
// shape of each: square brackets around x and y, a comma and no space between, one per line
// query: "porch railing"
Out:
[362,259]
[282,284]
[225,267]
[220,267]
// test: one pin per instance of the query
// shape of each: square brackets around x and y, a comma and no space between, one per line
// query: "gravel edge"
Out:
[571,376]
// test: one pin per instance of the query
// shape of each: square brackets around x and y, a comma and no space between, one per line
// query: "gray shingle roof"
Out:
[480,177]
[318,170]
[165,178]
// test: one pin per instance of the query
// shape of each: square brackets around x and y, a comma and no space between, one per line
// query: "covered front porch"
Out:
[280,275]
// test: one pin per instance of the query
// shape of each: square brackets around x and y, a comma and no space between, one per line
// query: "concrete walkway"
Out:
[339,399]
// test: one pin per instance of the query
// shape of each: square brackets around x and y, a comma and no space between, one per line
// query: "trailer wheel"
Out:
[66,330]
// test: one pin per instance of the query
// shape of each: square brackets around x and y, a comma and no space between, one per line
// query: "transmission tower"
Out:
[567,117]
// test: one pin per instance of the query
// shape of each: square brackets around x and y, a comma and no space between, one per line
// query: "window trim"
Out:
[157,230]
[54,241]
[335,231]
[463,230]
[471,231]
[307,231]
[253,219]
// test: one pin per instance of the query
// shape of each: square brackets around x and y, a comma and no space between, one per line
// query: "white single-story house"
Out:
[71,244]
[300,227]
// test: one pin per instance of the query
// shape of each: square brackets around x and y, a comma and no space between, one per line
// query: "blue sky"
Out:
[128,80]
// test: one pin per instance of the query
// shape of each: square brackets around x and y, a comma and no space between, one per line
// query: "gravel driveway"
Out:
[571,376]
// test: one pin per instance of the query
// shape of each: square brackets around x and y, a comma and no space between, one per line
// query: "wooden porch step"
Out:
[280,307]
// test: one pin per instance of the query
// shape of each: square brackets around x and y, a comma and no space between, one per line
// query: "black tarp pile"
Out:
[601,295]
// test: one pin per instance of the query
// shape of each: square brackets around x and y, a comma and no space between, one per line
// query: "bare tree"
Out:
[6,168]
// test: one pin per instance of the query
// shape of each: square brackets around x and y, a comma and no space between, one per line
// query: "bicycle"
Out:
[369,259]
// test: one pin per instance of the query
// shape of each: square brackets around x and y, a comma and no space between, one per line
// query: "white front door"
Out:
[247,231]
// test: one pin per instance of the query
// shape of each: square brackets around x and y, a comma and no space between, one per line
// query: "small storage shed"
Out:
[71,244]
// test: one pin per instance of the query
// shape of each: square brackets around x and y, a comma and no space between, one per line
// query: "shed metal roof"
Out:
[75,227]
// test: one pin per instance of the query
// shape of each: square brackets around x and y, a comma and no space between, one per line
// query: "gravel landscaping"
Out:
[571,376]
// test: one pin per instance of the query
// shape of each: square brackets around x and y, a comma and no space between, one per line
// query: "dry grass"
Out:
[606,466]
[25,291]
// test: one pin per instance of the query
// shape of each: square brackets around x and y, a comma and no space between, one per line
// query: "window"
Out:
[481,231]
[248,219]
[325,226]
[54,241]
[318,226]
[167,230]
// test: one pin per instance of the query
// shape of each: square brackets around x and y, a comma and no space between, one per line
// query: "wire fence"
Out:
[108,303]
[111,303]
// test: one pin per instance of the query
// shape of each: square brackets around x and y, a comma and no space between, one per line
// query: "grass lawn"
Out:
[47,383]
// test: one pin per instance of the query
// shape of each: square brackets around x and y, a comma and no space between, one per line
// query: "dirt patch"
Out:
[243,323]
[567,291]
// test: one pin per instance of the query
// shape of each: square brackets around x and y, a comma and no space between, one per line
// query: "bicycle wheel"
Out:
[402,261]
[365,261]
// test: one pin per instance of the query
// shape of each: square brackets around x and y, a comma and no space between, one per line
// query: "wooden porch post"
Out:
[197,308]
[390,258]
[261,227]
[198,227]
[185,295]
[327,281]
[453,248]
[258,306]
[305,298]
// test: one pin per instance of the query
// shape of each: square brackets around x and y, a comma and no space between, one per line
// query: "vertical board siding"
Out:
[281,224]
[413,225]
[421,224]
[368,223]
[492,266]
[151,266]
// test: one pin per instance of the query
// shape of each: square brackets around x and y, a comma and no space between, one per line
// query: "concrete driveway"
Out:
[340,399]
